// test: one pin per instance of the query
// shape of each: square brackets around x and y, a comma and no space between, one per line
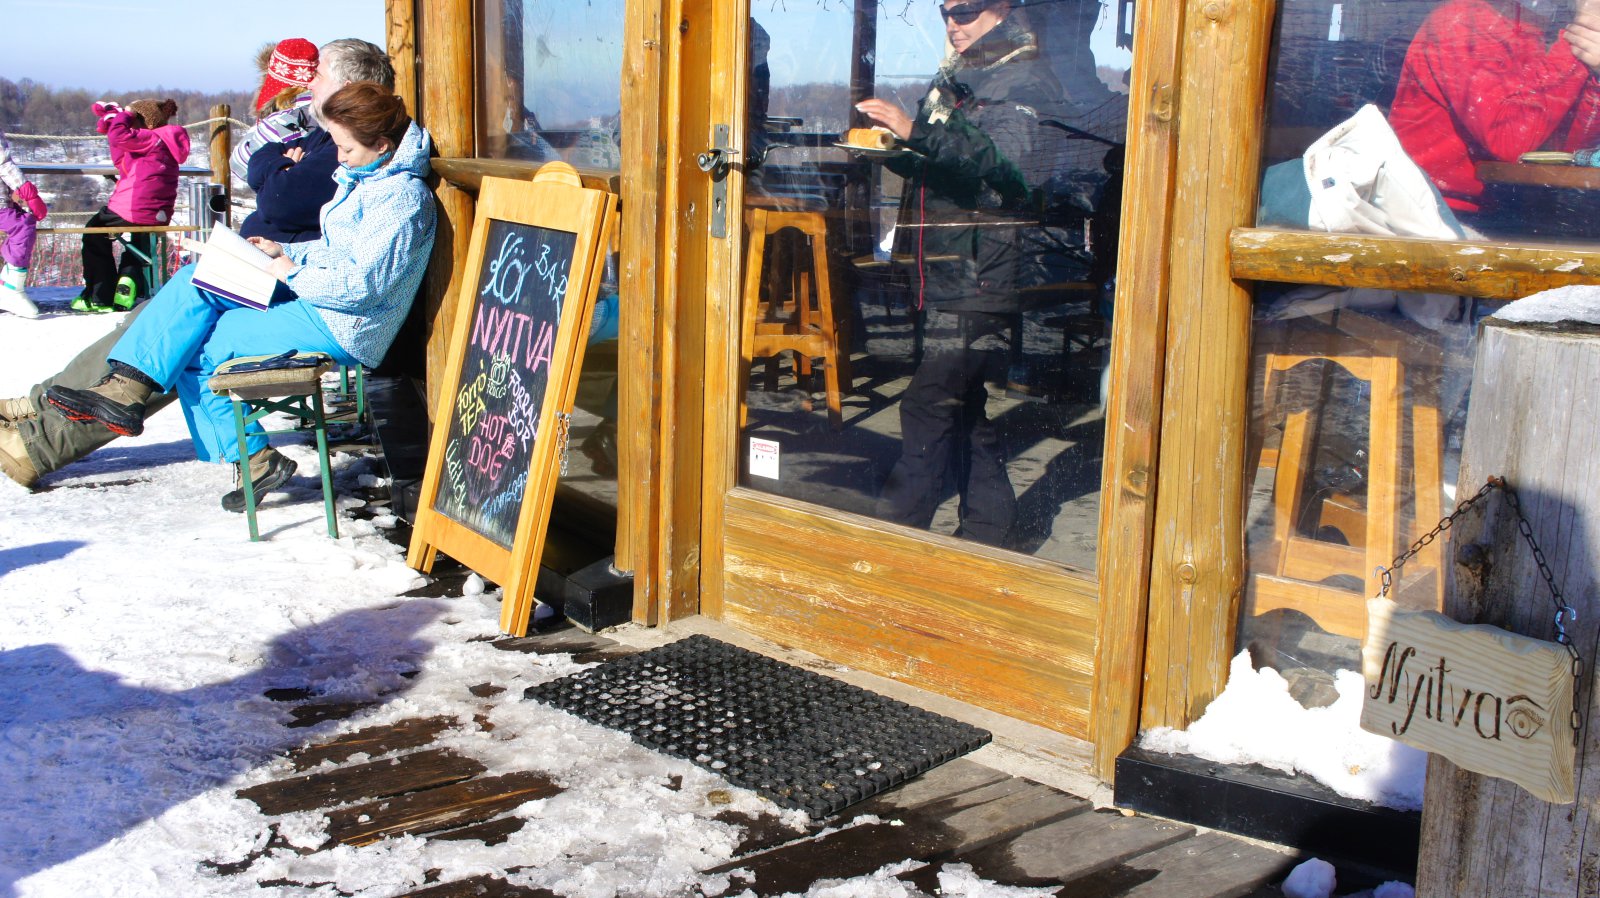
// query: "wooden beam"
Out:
[1197,569]
[1138,347]
[1464,267]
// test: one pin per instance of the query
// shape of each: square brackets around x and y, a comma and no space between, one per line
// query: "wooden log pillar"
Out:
[1138,352]
[1197,558]
[444,29]
[400,34]
[220,137]
[639,279]
[1532,421]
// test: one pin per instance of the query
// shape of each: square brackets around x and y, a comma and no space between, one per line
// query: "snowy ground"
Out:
[141,628]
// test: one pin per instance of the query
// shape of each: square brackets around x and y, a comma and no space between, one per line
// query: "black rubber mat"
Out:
[801,739]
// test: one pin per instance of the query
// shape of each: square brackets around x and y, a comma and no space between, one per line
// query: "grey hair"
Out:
[351,59]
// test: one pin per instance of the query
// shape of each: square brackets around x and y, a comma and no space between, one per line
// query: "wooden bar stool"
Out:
[1291,577]
[798,315]
[291,391]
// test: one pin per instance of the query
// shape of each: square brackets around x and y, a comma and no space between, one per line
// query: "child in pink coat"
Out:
[20,212]
[147,153]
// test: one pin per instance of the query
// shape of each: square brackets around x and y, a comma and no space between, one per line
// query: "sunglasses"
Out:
[965,14]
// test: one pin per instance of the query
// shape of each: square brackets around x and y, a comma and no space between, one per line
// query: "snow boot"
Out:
[127,294]
[117,401]
[14,292]
[17,409]
[14,459]
[269,469]
[85,302]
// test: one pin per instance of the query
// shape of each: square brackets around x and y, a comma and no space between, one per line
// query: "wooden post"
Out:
[1197,558]
[446,110]
[1532,421]
[220,135]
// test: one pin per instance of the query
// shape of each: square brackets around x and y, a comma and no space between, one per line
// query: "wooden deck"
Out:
[389,781]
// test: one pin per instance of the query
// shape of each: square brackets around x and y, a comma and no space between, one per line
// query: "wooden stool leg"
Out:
[1427,438]
[1383,470]
[1288,482]
[751,303]
[828,325]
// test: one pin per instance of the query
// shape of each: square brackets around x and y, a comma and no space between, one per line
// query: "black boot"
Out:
[269,469]
[117,401]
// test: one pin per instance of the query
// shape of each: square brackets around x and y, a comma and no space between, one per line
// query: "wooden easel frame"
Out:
[554,199]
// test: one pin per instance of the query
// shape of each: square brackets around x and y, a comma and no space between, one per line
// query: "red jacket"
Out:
[148,160]
[1480,83]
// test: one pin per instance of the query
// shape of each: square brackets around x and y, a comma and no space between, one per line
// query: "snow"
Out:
[1256,721]
[1311,879]
[141,629]
[1579,303]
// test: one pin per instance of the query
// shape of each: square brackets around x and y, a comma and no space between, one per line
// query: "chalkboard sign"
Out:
[518,333]
[515,313]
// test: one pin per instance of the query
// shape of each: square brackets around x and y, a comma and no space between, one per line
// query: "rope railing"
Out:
[200,124]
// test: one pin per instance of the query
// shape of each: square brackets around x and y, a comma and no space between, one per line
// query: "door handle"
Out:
[717,162]
[713,161]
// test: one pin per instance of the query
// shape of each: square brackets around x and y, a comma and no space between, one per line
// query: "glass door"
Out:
[905,451]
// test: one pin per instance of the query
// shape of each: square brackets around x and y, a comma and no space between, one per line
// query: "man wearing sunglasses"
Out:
[970,225]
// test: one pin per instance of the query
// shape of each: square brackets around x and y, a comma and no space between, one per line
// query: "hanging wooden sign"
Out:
[532,271]
[1488,700]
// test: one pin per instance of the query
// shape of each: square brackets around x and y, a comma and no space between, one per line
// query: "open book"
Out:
[232,268]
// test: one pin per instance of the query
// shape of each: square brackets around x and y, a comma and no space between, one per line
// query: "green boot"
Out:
[127,294]
[83,302]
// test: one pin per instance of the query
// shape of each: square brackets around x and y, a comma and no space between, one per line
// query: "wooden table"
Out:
[1576,177]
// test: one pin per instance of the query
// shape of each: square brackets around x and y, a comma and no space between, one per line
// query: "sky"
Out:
[208,45]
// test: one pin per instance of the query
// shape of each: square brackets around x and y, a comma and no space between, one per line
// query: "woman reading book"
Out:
[345,294]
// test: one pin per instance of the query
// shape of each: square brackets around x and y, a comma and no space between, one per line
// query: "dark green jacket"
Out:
[975,215]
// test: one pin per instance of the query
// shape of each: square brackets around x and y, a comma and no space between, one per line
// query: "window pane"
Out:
[927,324]
[550,81]
[1358,400]
[1462,92]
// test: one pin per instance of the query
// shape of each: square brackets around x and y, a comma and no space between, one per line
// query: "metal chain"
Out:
[1564,612]
[563,438]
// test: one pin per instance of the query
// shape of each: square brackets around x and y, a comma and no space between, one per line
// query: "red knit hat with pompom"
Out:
[293,64]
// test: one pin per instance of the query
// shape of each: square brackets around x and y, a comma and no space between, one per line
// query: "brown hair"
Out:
[369,112]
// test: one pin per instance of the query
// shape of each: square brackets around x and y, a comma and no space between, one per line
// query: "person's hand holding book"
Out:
[281,264]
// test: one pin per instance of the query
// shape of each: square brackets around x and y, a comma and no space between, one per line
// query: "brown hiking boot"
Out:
[116,401]
[17,409]
[269,469]
[14,459]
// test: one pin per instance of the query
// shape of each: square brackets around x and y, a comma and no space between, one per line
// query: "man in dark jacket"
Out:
[292,183]
[972,222]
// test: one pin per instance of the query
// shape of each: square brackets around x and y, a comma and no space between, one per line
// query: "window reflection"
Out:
[926,324]
[550,82]
[1358,402]
[1489,99]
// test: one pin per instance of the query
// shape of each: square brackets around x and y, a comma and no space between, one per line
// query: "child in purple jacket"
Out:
[147,153]
[20,212]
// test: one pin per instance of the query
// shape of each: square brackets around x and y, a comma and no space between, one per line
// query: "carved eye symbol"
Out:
[1524,716]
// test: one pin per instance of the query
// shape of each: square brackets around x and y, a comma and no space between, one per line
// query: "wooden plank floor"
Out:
[387,781]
